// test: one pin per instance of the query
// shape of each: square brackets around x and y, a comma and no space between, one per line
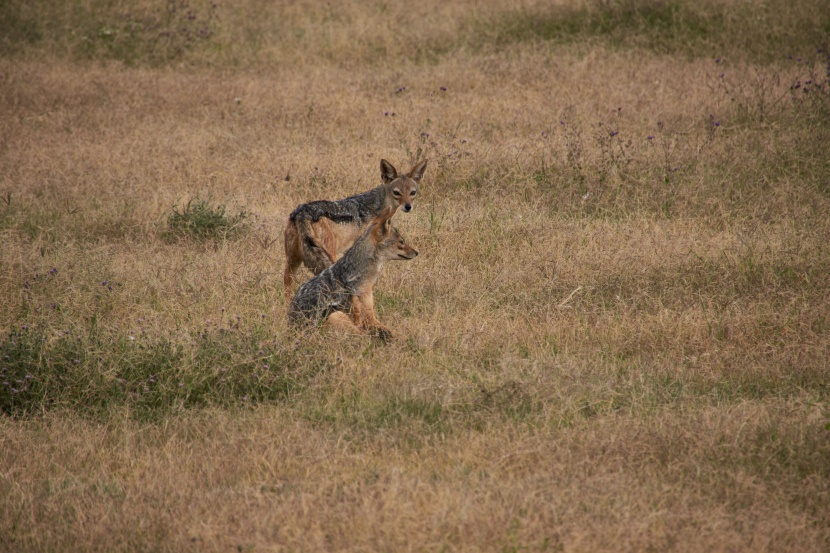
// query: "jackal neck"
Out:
[360,263]
[372,202]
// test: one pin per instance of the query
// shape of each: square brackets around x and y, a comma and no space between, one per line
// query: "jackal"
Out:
[343,294]
[319,233]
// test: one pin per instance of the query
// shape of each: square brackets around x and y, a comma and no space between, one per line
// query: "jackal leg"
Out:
[341,322]
[293,260]
[363,315]
[288,277]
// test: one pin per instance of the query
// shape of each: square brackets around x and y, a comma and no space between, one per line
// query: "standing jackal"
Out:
[319,233]
[343,294]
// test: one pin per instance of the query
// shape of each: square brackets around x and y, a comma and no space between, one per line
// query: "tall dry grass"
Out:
[615,337]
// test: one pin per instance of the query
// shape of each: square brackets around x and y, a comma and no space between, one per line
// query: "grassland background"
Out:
[616,336]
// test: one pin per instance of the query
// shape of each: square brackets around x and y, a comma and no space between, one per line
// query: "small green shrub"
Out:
[199,220]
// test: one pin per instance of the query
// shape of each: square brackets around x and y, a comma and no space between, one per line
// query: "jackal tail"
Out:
[301,247]
[314,255]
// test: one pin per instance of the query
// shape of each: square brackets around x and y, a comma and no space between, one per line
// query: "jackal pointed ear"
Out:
[383,222]
[418,171]
[387,172]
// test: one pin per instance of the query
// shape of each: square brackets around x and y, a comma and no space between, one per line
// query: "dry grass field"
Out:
[616,337]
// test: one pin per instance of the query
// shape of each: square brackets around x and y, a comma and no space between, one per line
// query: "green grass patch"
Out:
[200,220]
[657,26]
[766,32]
[136,33]
[158,33]
[44,369]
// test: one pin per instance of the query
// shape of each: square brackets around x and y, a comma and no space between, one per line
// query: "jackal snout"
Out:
[390,244]
[400,251]
[407,252]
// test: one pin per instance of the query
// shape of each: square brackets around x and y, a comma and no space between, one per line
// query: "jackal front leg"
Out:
[363,315]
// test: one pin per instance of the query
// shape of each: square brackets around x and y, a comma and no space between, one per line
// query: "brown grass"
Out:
[616,335]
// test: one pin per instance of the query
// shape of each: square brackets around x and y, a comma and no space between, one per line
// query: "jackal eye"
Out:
[396,192]
[413,193]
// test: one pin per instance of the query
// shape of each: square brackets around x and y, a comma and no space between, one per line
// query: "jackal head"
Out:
[401,189]
[389,244]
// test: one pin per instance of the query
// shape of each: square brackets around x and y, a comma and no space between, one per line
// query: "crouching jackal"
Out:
[319,233]
[343,294]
